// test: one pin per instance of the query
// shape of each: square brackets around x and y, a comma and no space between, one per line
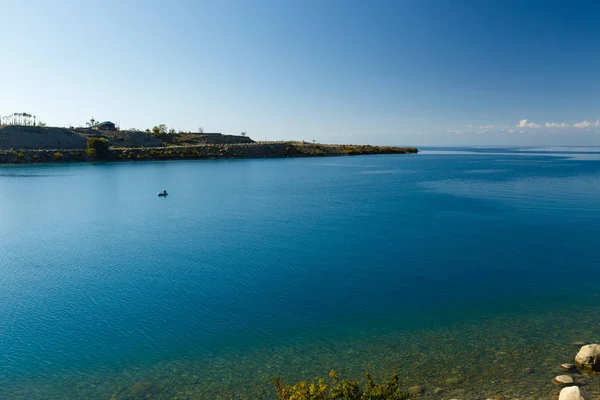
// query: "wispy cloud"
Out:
[524,123]
[557,125]
[586,124]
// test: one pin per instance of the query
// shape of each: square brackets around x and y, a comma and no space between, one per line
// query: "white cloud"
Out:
[586,124]
[510,131]
[524,123]
[583,124]
[486,126]
[556,125]
[469,126]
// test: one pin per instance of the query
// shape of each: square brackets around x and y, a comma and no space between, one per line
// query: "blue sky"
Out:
[399,72]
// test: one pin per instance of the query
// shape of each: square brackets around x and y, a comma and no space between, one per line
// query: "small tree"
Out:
[160,129]
[200,130]
[98,147]
[332,388]
[243,133]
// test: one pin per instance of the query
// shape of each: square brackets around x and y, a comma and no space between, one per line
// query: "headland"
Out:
[40,144]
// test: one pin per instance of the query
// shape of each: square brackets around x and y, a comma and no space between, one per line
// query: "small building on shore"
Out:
[106,126]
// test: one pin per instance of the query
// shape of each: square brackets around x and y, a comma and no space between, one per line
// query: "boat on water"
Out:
[162,194]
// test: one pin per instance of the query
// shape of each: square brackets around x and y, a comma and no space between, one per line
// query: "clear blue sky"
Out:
[383,72]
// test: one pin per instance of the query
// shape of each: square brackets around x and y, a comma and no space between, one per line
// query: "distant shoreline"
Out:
[36,144]
[203,151]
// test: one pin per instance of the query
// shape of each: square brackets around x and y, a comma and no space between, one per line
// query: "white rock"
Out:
[562,380]
[573,393]
[589,357]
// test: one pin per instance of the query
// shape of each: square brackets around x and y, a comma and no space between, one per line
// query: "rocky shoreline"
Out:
[203,151]
[570,384]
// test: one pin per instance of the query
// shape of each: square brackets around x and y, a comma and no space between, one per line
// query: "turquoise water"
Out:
[474,264]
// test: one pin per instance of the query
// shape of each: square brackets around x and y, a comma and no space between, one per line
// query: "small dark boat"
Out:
[162,194]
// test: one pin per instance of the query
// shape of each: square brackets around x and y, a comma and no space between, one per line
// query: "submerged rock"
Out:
[528,371]
[588,357]
[566,367]
[141,388]
[581,382]
[562,380]
[573,393]
[416,389]
[453,381]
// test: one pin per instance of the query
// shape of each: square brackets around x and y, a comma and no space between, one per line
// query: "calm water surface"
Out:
[469,264]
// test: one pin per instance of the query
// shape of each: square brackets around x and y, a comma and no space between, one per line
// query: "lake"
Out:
[474,264]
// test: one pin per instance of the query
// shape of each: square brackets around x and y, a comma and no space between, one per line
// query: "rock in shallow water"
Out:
[566,367]
[453,381]
[416,389]
[528,371]
[573,393]
[588,357]
[562,380]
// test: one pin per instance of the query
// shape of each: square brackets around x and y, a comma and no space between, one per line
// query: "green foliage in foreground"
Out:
[334,389]
[97,147]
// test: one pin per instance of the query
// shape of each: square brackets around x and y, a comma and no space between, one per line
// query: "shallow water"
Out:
[474,265]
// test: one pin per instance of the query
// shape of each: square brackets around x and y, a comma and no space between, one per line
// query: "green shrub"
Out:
[334,389]
[97,147]
[57,156]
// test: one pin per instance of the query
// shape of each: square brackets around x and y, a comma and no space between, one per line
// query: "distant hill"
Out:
[40,138]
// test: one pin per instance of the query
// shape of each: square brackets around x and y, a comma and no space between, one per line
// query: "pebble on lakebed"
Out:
[453,381]
[416,389]
[528,371]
